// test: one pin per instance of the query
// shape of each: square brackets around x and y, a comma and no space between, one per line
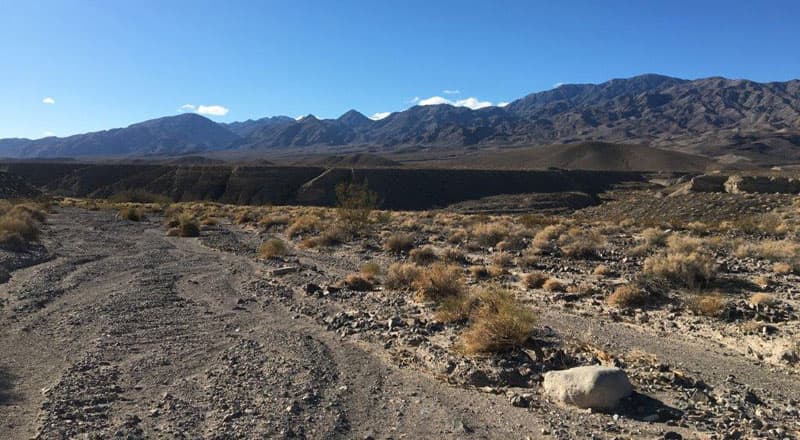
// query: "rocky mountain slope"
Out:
[731,119]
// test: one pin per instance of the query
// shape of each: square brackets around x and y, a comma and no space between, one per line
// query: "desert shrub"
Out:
[354,204]
[455,308]
[453,255]
[488,234]
[439,281]
[763,299]
[302,225]
[371,268]
[329,237]
[771,250]
[245,216]
[423,256]
[685,262]
[402,275]
[130,213]
[272,248]
[269,221]
[534,280]
[359,282]
[579,243]
[139,196]
[399,243]
[512,243]
[762,281]
[18,227]
[457,236]
[769,223]
[209,221]
[496,271]
[497,323]
[707,305]
[654,237]
[627,296]
[553,285]
[529,258]
[479,272]
[782,268]
[188,226]
[544,240]
[532,221]
[698,228]
[601,270]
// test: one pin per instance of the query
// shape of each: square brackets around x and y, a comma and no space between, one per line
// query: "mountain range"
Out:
[723,118]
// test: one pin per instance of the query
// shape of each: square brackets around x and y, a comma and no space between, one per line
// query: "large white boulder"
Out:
[595,386]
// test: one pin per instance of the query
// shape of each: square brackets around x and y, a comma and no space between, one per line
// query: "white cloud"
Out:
[451,92]
[414,100]
[48,134]
[213,110]
[380,115]
[471,102]
[557,85]
[502,104]
[48,100]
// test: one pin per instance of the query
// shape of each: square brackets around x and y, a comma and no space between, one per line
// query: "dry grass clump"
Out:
[763,299]
[453,255]
[707,305]
[698,228]
[402,275]
[601,270]
[488,234]
[513,242]
[762,281]
[245,216]
[18,224]
[439,281]
[580,243]
[771,250]
[479,272]
[272,248]
[131,213]
[496,271]
[188,226]
[628,296]
[497,322]
[770,223]
[782,268]
[399,243]
[359,282]
[269,221]
[529,258]
[544,240]
[684,262]
[532,221]
[371,268]
[654,237]
[303,224]
[554,285]
[457,236]
[424,256]
[502,259]
[209,221]
[330,237]
[534,280]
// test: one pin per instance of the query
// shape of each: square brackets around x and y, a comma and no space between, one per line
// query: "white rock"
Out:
[593,386]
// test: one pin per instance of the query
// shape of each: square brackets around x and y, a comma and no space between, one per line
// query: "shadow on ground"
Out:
[7,394]
[648,409]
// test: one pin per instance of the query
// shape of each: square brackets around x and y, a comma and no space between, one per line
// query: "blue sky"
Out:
[112,63]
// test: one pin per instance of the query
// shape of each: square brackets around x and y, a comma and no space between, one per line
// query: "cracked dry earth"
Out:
[126,333]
